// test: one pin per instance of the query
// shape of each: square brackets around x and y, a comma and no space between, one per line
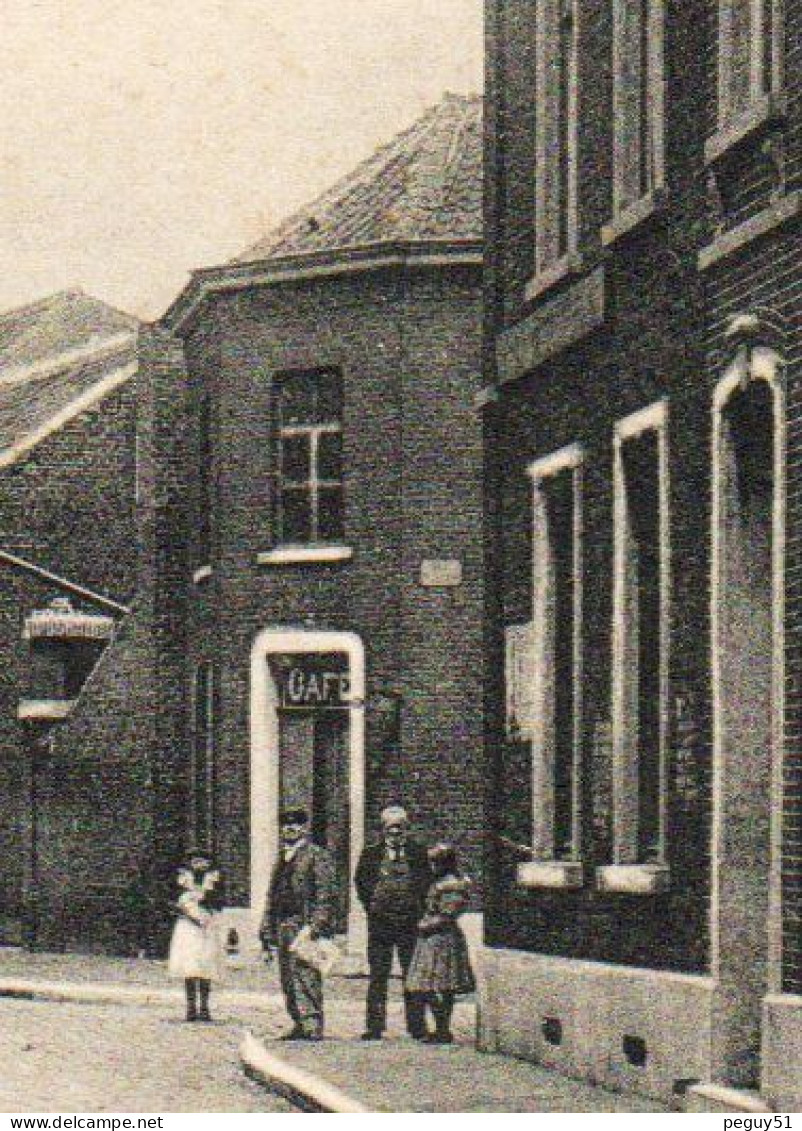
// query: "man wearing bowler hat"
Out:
[392,879]
[301,895]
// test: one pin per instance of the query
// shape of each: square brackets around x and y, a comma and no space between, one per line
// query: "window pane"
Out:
[735,56]
[330,514]
[295,458]
[329,456]
[295,396]
[630,100]
[296,515]
[328,397]
[554,129]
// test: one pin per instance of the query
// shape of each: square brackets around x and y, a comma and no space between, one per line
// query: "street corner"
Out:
[304,1089]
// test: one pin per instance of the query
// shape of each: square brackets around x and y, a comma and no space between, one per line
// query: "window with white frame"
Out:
[638,94]
[640,637]
[556,643]
[748,55]
[310,473]
[555,132]
[203,767]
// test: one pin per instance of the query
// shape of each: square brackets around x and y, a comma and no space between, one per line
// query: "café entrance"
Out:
[307,748]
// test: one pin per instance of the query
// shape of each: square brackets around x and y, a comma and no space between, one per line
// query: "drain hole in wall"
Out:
[635,1050]
[232,943]
[552,1029]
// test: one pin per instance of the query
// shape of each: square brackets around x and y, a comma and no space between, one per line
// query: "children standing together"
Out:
[413,900]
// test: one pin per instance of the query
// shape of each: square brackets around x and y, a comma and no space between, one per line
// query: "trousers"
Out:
[383,938]
[301,985]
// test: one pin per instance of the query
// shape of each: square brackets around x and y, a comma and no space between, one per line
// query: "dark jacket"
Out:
[310,878]
[367,873]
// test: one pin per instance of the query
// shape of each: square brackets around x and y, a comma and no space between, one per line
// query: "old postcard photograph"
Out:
[400,578]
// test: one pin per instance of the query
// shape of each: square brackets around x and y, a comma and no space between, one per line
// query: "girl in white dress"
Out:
[195,952]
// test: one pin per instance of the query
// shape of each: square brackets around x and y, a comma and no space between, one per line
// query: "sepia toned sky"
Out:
[141,138]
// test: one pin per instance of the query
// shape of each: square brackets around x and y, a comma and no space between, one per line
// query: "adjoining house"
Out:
[74,825]
[320,393]
[644,896]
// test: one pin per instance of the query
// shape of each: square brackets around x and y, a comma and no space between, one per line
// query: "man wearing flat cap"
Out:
[301,894]
[392,879]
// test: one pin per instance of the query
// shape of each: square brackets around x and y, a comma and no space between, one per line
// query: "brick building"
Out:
[644,881]
[327,562]
[76,823]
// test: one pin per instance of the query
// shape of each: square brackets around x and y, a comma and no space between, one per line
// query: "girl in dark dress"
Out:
[440,967]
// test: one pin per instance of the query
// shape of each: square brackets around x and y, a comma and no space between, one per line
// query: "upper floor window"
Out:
[310,474]
[637,100]
[555,132]
[748,55]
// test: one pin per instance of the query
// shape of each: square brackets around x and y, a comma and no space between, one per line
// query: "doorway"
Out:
[307,748]
[747,691]
[313,694]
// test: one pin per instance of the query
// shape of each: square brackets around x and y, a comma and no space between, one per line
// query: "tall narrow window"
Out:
[556,621]
[748,55]
[637,100]
[310,473]
[640,637]
[555,132]
[203,769]
[204,517]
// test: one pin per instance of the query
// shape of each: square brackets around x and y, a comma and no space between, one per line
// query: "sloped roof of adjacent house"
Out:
[57,357]
[425,185]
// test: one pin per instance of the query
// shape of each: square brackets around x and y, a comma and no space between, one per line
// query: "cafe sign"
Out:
[310,683]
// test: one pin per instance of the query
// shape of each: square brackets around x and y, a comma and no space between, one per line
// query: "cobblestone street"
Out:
[77,1058]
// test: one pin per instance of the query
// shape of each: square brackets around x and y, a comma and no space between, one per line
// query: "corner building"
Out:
[331,588]
[640,413]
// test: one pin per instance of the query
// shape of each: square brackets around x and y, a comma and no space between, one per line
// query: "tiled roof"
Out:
[53,353]
[425,185]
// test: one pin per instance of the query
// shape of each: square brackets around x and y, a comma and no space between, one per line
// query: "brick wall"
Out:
[408,348]
[67,506]
[764,278]
[661,336]
[97,806]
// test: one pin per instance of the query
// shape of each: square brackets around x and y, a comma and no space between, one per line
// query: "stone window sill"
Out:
[201,574]
[728,243]
[634,879]
[564,268]
[768,110]
[299,555]
[633,216]
[555,874]
[44,710]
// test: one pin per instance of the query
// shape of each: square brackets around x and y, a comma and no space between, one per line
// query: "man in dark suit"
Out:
[301,895]
[392,879]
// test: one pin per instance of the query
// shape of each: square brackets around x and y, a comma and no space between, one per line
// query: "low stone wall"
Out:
[782,1051]
[628,1029]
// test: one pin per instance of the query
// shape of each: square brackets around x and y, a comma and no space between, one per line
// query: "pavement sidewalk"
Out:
[402,1075]
[396,1075]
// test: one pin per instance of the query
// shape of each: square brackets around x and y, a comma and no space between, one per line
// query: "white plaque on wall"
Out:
[519,674]
[440,573]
